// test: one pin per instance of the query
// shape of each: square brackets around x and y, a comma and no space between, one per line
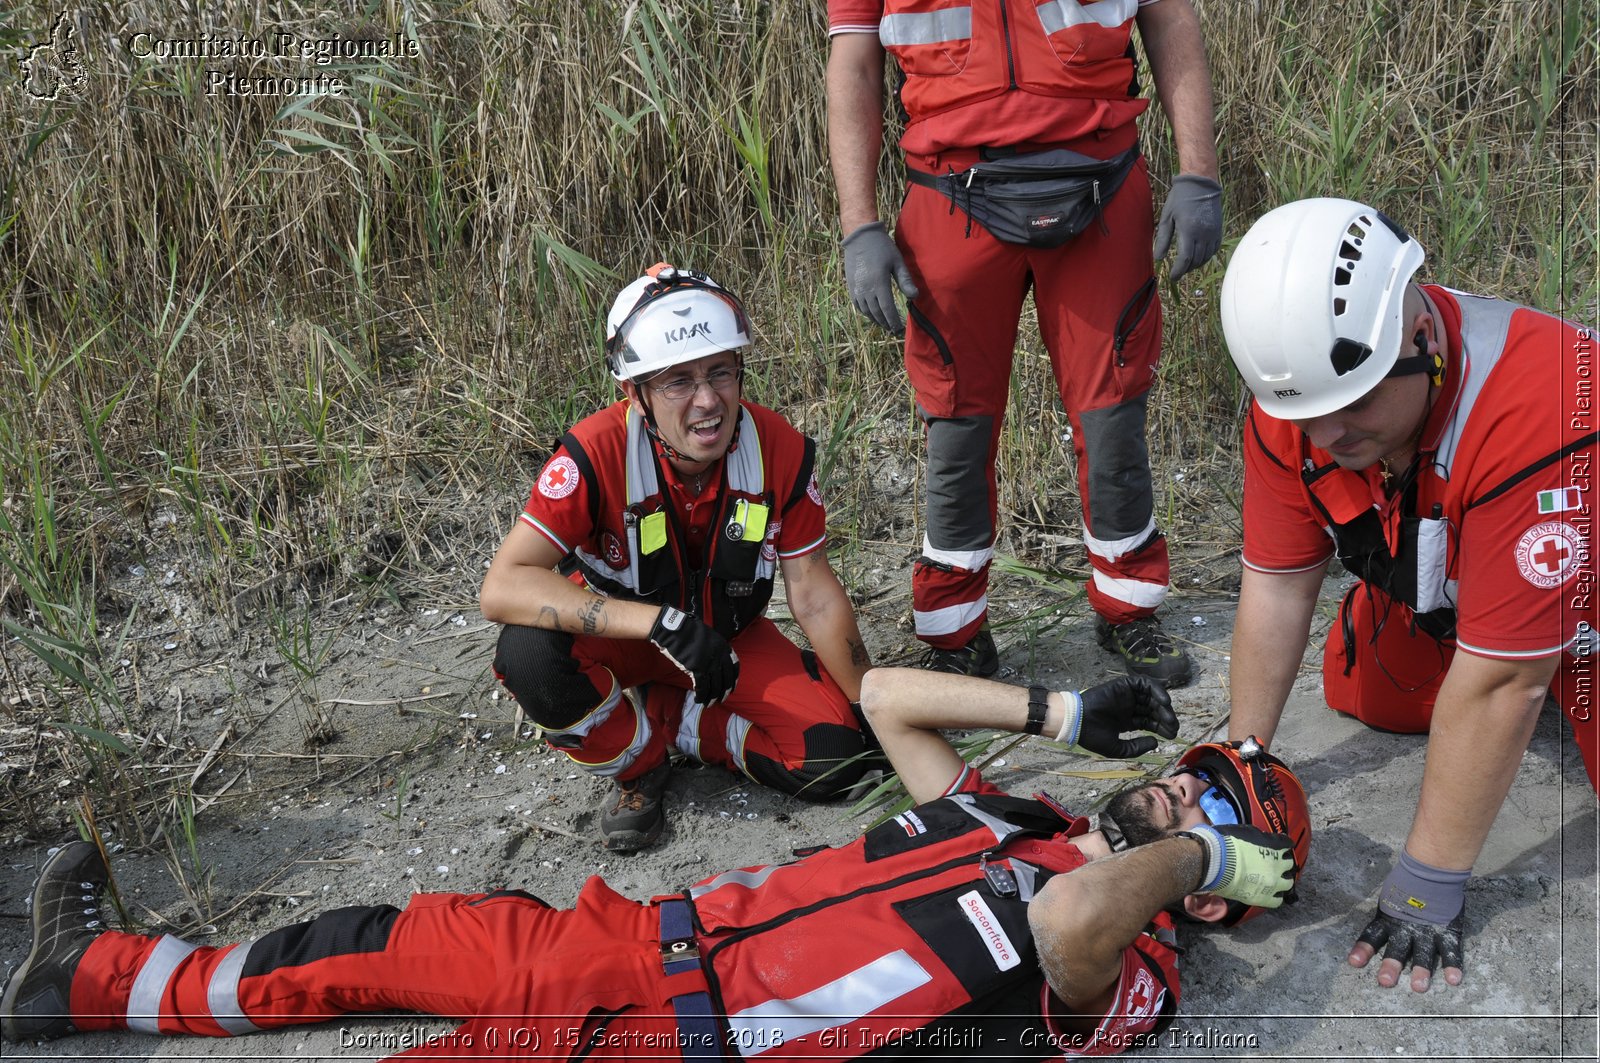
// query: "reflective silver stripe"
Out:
[1134,592]
[222,995]
[744,464]
[735,736]
[624,576]
[933,27]
[610,769]
[971,560]
[688,740]
[837,1003]
[950,619]
[1485,324]
[641,466]
[745,472]
[1433,545]
[997,826]
[1112,549]
[1057,15]
[144,1002]
[747,879]
[1027,877]
[597,716]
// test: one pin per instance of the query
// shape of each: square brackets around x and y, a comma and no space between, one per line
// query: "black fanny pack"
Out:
[1041,200]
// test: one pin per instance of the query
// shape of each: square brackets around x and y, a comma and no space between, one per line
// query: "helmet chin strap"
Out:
[650,429]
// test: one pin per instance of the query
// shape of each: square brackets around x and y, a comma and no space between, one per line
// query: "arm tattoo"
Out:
[548,619]
[858,652]
[590,615]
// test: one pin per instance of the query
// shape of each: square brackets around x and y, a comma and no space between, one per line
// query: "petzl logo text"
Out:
[55,66]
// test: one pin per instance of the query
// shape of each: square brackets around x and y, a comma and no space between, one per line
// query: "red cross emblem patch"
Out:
[1549,554]
[559,479]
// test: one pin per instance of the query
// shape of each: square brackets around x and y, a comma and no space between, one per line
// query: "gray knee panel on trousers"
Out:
[1120,494]
[958,482]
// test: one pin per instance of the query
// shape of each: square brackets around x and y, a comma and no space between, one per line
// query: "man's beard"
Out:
[1136,816]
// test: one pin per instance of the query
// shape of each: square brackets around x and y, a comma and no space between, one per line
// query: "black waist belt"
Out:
[699,1035]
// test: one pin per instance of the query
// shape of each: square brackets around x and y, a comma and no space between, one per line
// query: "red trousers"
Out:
[530,980]
[1100,318]
[1390,681]
[787,723]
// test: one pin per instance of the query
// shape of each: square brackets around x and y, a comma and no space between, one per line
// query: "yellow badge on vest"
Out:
[652,532]
[748,521]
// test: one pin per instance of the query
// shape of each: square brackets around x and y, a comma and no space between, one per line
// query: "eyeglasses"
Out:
[680,388]
[1216,802]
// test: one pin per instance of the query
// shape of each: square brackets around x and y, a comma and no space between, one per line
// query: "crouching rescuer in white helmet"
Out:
[1441,445]
[634,586]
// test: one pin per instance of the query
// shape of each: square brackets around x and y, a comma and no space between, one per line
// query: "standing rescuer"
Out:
[1426,438]
[634,587]
[1024,172]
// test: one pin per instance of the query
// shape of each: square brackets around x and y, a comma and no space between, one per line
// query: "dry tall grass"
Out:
[269,326]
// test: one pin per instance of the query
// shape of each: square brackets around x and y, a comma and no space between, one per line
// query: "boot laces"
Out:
[1145,638]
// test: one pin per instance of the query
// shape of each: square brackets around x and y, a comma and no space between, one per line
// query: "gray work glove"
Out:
[1420,916]
[870,261]
[1096,717]
[698,651]
[1194,212]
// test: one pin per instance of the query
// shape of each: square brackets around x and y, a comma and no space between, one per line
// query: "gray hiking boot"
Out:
[633,817]
[978,657]
[36,1005]
[1147,649]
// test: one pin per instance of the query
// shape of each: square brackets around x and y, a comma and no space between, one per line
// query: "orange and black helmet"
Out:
[1261,791]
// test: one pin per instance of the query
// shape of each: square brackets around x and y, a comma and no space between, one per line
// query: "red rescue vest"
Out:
[913,939]
[957,54]
[640,550]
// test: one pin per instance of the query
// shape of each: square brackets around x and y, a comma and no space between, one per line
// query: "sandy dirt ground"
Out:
[423,780]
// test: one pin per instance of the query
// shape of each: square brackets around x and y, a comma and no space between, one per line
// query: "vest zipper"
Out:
[1005,33]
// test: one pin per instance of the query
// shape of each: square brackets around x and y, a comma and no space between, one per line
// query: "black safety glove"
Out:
[1193,211]
[1415,943]
[871,261]
[1127,703]
[698,651]
[1245,864]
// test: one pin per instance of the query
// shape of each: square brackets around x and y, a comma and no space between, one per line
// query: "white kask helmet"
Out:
[1313,305]
[668,317]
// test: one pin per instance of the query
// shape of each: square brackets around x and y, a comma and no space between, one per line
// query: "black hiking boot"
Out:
[978,657]
[36,1005]
[1147,649]
[632,818]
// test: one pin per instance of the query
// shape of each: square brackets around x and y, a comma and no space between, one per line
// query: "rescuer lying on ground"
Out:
[1044,932]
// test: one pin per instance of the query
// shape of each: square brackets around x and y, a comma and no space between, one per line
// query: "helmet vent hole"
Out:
[1347,354]
[1338,307]
[1350,251]
[1341,277]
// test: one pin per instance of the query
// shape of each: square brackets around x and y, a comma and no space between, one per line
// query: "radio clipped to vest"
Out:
[1415,572]
[1042,199]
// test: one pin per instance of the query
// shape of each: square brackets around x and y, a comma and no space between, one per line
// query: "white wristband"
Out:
[1072,721]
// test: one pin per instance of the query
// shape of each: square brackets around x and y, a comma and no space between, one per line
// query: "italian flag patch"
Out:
[1560,500]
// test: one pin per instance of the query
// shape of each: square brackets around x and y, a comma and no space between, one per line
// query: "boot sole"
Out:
[630,841]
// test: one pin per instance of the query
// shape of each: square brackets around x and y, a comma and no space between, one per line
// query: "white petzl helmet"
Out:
[668,317]
[1313,305]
